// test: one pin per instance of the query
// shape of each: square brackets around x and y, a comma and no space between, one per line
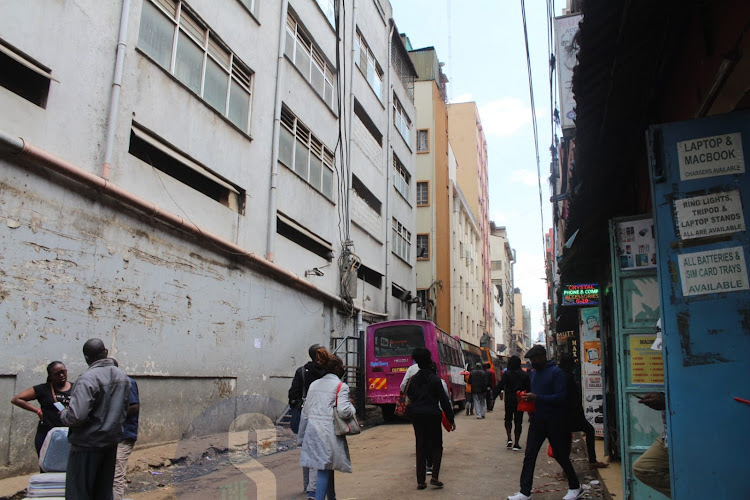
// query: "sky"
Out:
[482,45]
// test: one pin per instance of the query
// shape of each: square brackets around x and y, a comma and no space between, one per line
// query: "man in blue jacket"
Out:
[548,391]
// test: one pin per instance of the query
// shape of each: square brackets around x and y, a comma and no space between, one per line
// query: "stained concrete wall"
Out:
[193,324]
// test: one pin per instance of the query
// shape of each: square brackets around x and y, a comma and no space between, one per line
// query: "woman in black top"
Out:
[55,390]
[425,390]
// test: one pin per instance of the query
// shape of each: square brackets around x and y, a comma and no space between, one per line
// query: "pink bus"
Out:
[388,355]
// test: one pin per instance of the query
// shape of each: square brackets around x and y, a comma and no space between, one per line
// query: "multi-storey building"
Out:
[503,258]
[434,222]
[466,136]
[517,346]
[225,184]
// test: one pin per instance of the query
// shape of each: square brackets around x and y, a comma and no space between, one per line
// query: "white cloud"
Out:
[525,177]
[504,117]
[461,98]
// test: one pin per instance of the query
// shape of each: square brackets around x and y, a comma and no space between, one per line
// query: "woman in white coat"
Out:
[322,449]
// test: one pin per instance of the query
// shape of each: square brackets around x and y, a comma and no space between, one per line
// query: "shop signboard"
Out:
[584,294]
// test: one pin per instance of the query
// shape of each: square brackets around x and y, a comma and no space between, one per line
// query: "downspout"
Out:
[271,229]
[350,172]
[17,146]
[388,127]
[114,99]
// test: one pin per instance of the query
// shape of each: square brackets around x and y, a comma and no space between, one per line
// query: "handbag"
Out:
[403,401]
[400,410]
[344,426]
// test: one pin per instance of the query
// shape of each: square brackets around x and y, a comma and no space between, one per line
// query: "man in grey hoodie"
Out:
[98,404]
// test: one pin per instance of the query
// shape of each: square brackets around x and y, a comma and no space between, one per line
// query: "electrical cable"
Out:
[533,119]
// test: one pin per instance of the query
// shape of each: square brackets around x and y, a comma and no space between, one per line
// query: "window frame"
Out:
[359,44]
[302,39]
[237,72]
[401,178]
[302,134]
[400,240]
[426,132]
[426,184]
[425,236]
[401,120]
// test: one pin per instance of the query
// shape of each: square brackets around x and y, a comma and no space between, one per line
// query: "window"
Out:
[423,194]
[361,190]
[180,43]
[329,10]
[365,60]
[423,141]
[251,5]
[400,120]
[401,178]
[24,76]
[401,240]
[423,247]
[309,60]
[305,154]
[303,237]
[178,166]
[360,112]
[370,276]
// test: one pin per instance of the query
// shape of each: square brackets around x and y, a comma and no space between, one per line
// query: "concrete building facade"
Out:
[503,258]
[467,139]
[434,221]
[206,207]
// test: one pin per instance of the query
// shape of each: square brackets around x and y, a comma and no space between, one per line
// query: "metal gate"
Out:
[639,369]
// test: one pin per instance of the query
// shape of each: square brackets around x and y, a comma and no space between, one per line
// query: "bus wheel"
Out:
[388,411]
[461,405]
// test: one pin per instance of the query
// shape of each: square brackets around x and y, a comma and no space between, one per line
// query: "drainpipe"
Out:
[23,149]
[114,99]
[388,127]
[350,172]
[271,230]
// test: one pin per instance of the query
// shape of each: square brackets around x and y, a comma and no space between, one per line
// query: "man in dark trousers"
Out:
[514,379]
[98,404]
[479,384]
[492,382]
[548,391]
[303,377]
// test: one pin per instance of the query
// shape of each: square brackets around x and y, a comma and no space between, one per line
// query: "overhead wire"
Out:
[533,119]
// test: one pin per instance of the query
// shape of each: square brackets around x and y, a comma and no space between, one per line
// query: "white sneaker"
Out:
[519,496]
[573,494]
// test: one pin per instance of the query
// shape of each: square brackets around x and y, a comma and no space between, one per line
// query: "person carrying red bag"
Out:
[548,392]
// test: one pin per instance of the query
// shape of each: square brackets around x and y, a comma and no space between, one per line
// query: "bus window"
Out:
[398,340]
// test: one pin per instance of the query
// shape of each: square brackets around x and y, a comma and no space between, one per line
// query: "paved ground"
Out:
[476,464]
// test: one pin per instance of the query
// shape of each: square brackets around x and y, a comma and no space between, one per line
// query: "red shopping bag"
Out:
[524,405]
[446,423]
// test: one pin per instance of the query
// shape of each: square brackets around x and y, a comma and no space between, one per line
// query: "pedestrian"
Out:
[478,381]
[55,390]
[575,419]
[652,468]
[492,380]
[469,405]
[514,379]
[303,377]
[129,437]
[548,391]
[427,398]
[322,450]
[98,405]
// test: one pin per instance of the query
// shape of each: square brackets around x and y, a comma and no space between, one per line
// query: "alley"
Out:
[476,464]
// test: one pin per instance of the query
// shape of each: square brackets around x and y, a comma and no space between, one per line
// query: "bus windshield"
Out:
[398,340]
